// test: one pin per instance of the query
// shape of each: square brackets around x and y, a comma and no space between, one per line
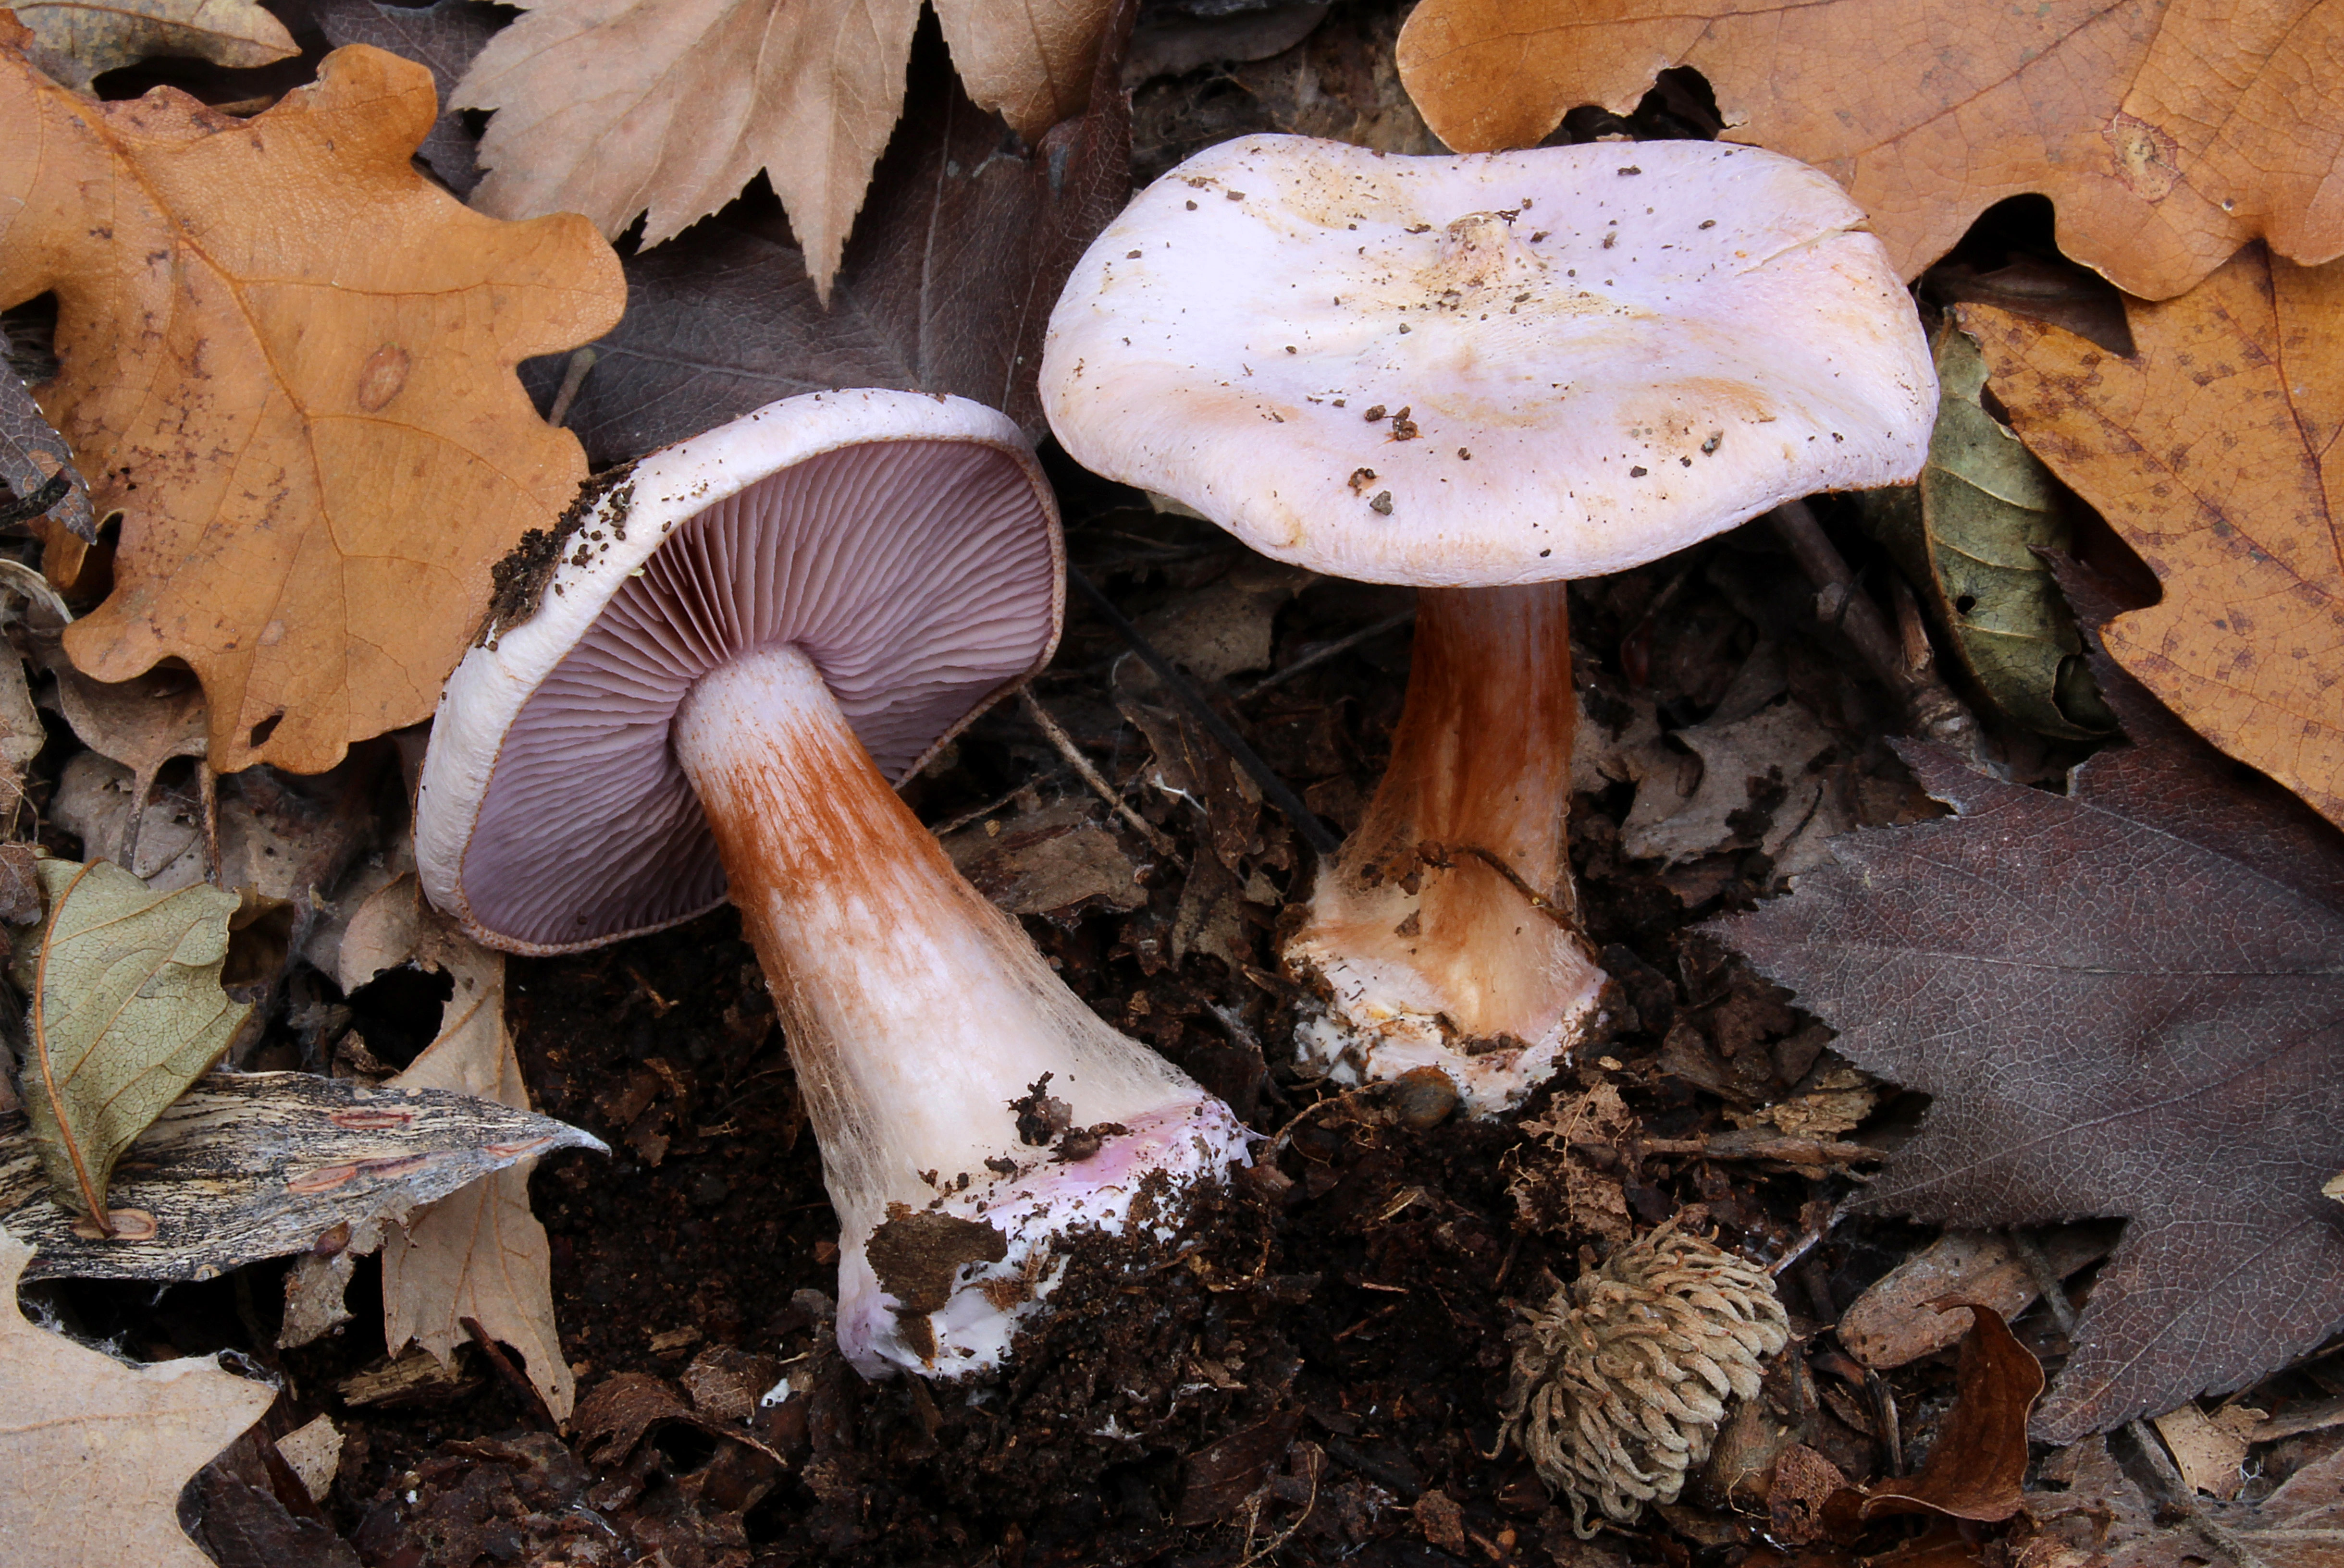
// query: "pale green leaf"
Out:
[125,1012]
[1967,538]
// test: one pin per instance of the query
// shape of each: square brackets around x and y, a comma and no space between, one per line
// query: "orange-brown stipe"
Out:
[915,1011]
[1446,926]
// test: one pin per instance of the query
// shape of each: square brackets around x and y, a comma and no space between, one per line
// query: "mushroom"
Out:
[1480,377]
[704,685]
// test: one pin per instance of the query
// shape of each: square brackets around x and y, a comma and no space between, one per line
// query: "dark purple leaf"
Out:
[2127,1001]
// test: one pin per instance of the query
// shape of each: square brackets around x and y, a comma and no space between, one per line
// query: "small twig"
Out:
[1319,655]
[1884,1406]
[573,377]
[1936,713]
[1274,788]
[952,825]
[1440,857]
[1031,706]
[1809,1239]
[208,792]
[1754,1144]
[512,1375]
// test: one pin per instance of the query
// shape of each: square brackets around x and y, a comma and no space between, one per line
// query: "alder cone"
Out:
[1620,1381]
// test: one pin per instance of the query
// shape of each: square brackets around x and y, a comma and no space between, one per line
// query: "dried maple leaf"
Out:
[287,357]
[946,286]
[96,1452]
[75,40]
[615,109]
[2127,1001]
[2170,134]
[2214,450]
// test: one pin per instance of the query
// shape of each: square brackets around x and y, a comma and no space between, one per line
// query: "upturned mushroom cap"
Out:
[907,543]
[1506,368]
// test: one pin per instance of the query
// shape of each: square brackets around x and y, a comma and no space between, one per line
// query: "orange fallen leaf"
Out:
[612,108]
[288,359]
[2214,452]
[2168,134]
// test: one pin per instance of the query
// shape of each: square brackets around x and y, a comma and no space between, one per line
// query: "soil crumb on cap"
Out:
[516,583]
[915,1256]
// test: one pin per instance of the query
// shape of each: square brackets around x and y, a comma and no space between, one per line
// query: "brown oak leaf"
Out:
[2127,1001]
[616,109]
[2214,450]
[946,287]
[287,357]
[2168,132]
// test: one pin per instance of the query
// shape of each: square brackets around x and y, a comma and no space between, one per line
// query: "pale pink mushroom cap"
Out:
[1608,353]
[906,543]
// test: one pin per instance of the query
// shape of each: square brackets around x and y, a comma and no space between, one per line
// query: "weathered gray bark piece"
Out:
[246,1166]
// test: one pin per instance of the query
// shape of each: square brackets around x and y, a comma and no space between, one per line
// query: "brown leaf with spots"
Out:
[288,359]
[2215,451]
[2169,134]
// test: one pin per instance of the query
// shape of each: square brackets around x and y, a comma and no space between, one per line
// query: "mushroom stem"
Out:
[1446,932]
[916,1013]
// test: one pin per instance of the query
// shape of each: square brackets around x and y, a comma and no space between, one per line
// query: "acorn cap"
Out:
[1504,369]
[907,543]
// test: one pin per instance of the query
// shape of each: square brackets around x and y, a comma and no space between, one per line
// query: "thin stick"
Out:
[1319,656]
[1274,788]
[573,377]
[1031,706]
[510,1374]
[1936,711]
[207,790]
[944,829]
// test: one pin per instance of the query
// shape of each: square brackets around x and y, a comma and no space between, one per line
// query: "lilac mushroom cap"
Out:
[1505,368]
[907,543]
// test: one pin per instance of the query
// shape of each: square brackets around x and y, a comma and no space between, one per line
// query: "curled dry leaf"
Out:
[2110,994]
[74,40]
[252,1165]
[124,1010]
[480,1253]
[96,1452]
[1976,1468]
[1891,1323]
[2214,451]
[311,427]
[615,109]
[32,458]
[2168,134]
